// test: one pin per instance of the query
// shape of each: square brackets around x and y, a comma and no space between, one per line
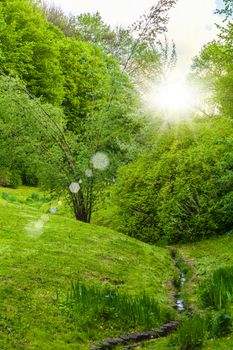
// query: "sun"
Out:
[173,97]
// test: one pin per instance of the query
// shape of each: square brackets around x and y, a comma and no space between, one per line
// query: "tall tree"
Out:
[31,49]
[214,69]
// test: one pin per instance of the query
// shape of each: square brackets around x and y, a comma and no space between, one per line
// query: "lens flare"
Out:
[100,161]
[74,187]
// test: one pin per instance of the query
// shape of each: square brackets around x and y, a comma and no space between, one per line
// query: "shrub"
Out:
[36,200]
[15,180]
[4,177]
[8,197]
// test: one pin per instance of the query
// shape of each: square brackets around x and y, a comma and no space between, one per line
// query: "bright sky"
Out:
[192,22]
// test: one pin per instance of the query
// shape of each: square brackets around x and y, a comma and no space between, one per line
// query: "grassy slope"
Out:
[36,268]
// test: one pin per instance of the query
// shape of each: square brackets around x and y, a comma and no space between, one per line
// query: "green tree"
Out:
[31,49]
[213,68]
[134,47]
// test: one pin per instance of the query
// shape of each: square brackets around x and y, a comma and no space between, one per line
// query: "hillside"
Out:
[41,254]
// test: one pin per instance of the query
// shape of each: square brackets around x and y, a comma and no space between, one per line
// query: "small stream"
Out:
[179,299]
[180,304]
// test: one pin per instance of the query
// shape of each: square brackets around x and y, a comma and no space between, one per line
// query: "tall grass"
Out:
[217,292]
[191,333]
[108,308]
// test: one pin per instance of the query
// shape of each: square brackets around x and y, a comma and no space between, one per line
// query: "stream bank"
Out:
[166,329]
[179,283]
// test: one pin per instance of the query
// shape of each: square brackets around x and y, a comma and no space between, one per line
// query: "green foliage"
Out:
[213,68]
[10,178]
[134,51]
[31,49]
[35,200]
[8,197]
[191,333]
[56,16]
[227,9]
[217,292]
[97,107]
[181,190]
[221,324]
[94,308]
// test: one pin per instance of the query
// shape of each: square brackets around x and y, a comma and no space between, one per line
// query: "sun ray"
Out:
[174,100]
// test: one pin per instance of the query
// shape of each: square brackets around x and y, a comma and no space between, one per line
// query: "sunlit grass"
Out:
[36,273]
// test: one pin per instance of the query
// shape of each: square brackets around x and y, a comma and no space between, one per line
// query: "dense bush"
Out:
[181,190]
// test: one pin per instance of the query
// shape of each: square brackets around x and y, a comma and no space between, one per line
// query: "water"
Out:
[180,305]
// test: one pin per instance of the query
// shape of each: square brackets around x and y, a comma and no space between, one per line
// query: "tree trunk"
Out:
[81,211]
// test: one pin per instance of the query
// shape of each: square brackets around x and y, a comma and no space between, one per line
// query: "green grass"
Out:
[25,196]
[211,262]
[213,257]
[40,257]
[190,336]
[20,193]
[203,258]
[209,255]
[107,308]
[217,291]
